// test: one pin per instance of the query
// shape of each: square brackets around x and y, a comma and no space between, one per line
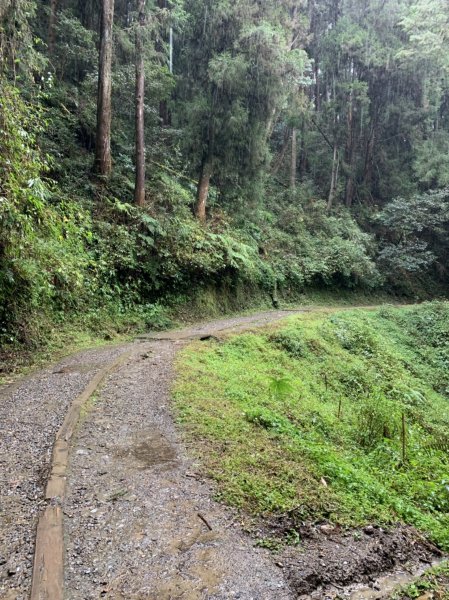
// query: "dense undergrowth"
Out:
[309,186]
[333,416]
[74,252]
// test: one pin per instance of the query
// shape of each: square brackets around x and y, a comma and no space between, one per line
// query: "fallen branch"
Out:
[204,521]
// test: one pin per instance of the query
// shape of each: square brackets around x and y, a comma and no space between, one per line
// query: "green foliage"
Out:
[291,341]
[268,420]
[245,68]
[432,161]
[280,387]
[304,246]
[377,420]
[341,420]
[242,79]
[415,232]
[42,256]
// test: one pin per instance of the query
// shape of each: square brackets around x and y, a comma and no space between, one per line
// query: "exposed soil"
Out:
[139,520]
[330,562]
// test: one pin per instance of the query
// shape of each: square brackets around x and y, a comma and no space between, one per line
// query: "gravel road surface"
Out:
[131,514]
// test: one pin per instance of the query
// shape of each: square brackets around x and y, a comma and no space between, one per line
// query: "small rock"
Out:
[327,529]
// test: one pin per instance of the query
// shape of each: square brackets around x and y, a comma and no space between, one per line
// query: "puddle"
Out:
[381,589]
[151,451]
[78,368]
[384,586]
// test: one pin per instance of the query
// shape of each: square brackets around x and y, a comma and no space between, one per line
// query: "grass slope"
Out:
[339,416]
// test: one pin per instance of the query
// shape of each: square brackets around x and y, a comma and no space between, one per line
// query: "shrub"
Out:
[291,341]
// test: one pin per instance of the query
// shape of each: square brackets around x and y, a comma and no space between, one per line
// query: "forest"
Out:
[282,165]
[152,152]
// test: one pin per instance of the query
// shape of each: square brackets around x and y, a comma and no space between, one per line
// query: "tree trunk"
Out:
[139,189]
[279,160]
[271,123]
[87,12]
[294,158]
[51,26]
[203,191]
[303,152]
[316,69]
[349,191]
[369,161]
[334,178]
[164,112]
[103,161]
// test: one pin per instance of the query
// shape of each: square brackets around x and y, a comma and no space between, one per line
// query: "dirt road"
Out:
[129,482]
[124,514]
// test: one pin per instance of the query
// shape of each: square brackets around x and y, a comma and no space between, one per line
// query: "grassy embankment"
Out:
[338,416]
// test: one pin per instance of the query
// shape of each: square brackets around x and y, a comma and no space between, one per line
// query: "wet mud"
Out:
[362,564]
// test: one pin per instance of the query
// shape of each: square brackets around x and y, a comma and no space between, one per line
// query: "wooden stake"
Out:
[404,443]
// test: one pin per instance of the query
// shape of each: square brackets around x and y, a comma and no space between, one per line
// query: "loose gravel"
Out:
[139,523]
[30,415]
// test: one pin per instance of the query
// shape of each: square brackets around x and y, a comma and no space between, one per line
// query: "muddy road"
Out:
[124,513]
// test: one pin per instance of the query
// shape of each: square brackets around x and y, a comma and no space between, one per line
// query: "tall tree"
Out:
[203,189]
[294,158]
[245,66]
[139,189]
[103,160]
[51,26]
[164,112]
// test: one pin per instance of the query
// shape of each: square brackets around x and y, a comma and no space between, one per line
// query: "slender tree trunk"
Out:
[103,161]
[316,69]
[302,152]
[334,178]
[349,191]
[51,26]
[164,112]
[271,123]
[278,161]
[350,188]
[203,191]
[294,158]
[139,189]
[369,161]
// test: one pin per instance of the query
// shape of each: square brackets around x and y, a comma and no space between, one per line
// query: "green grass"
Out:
[310,417]
[435,582]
